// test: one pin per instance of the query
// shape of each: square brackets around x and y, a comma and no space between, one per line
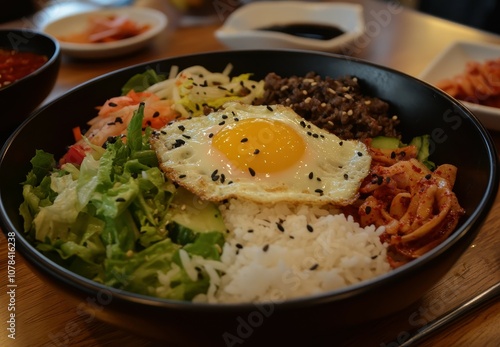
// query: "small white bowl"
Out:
[77,23]
[452,62]
[241,28]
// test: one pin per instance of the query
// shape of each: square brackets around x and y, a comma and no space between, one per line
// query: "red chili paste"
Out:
[15,65]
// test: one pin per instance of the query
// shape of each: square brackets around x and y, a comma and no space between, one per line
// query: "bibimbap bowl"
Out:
[456,137]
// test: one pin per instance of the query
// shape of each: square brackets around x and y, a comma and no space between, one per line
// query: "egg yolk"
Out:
[260,145]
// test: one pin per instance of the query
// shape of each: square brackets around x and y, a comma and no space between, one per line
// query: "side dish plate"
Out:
[452,61]
[240,31]
[77,23]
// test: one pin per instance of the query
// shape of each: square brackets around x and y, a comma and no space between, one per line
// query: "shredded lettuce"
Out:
[142,81]
[109,219]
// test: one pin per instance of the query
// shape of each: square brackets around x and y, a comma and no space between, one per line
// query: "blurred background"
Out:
[480,14]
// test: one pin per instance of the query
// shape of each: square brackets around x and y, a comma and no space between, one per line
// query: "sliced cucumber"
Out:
[384,142]
[190,212]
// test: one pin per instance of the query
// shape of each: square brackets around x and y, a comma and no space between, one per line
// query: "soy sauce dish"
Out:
[421,108]
[292,24]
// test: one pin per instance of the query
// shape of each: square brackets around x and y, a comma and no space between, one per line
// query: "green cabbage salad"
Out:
[116,219]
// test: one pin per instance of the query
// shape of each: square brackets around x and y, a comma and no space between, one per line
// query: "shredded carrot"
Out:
[77,134]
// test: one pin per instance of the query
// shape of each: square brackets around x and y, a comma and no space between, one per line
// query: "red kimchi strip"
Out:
[417,206]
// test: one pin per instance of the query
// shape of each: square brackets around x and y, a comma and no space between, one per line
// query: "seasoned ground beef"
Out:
[336,105]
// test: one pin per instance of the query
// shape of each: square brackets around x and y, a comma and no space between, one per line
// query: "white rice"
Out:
[262,263]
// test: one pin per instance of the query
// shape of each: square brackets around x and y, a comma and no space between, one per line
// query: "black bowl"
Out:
[456,138]
[23,96]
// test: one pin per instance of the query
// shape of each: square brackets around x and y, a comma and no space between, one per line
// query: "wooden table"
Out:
[399,38]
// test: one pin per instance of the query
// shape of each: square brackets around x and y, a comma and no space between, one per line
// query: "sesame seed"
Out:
[239,245]
[186,136]
[244,140]
[265,248]
[380,180]
[360,154]
[319,191]
[257,151]
[428,176]
[250,230]
[179,142]
[224,116]
[280,227]
[302,124]
[368,209]
[269,108]
[119,120]
[252,171]
[311,175]
[222,123]
[156,114]
[346,176]
[310,228]
[181,127]
[315,136]
[182,176]
[314,267]
[222,178]
[341,143]
[112,104]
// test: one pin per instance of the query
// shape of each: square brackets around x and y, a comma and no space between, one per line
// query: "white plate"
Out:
[77,23]
[239,31]
[452,62]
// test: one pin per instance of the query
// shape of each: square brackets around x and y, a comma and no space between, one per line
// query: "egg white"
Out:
[329,172]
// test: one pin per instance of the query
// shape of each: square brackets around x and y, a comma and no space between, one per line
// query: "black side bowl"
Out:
[23,96]
[457,138]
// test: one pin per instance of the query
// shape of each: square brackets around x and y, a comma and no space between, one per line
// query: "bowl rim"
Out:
[473,221]
[50,60]
[157,20]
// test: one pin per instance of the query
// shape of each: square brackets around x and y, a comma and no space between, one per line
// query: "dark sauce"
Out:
[306,30]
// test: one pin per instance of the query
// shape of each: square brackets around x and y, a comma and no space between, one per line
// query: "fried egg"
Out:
[265,154]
